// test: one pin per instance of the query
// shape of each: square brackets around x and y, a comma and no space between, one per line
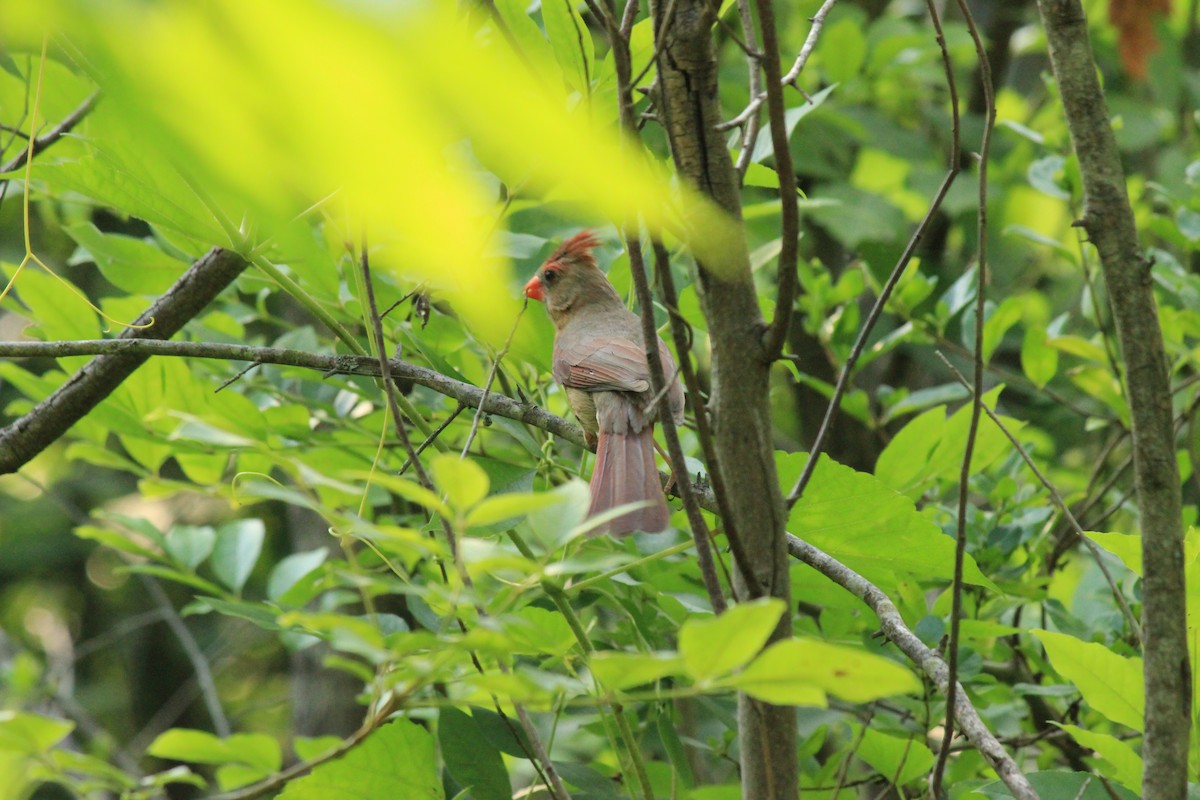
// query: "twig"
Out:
[934,667]
[860,343]
[622,60]
[436,433]
[681,333]
[195,656]
[704,556]
[54,134]
[964,483]
[487,386]
[756,101]
[137,350]
[776,332]
[53,416]
[750,130]
[1058,501]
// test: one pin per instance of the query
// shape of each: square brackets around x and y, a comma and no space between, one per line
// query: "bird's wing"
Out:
[601,365]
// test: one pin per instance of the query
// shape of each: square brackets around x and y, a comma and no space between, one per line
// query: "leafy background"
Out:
[201,588]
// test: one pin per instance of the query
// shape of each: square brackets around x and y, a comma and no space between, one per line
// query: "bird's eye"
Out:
[549,276]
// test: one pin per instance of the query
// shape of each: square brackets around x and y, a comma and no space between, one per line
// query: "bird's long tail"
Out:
[625,473]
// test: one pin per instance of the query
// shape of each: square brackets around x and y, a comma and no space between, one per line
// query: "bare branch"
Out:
[929,661]
[53,416]
[1109,221]
[756,100]
[785,299]
[964,481]
[885,292]
[1058,501]
[54,134]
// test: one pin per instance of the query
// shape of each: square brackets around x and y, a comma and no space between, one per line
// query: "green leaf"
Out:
[510,506]
[1038,360]
[409,490]
[522,27]
[712,646]
[617,671]
[133,265]
[800,671]
[765,148]
[31,734]
[291,569]
[1125,546]
[1188,222]
[899,760]
[201,747]
[1124,763]
[571,42]
[1044,175]
[843,49]
[1058,785]
[1007,314]
[397,760]
[236,552]
[189,545]
[1109,683]
[463,482]
[470,757]
[874,530]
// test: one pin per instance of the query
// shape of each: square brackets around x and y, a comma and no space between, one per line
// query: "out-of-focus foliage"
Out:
[275,514]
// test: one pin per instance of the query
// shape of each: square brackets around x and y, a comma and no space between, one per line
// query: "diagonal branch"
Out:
[53,416]
[54,134]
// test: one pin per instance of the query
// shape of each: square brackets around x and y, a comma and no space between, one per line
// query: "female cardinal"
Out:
[600,360]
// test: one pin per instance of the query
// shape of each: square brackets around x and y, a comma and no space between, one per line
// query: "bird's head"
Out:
[569,278]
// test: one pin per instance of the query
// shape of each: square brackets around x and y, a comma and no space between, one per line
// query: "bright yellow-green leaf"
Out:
[897,759]
[397,760]
[509,506]
[1038,359]
[463,482]
[1123,762]
[1109,683]
[21,732]
[571,41]
[1125,546]
[201,747]
[712,646]
[389,106]
[800,671]
[616,671]
[855,518]
[409,490]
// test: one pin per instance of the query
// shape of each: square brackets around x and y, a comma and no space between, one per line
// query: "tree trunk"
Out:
[688,106]
[1108,220]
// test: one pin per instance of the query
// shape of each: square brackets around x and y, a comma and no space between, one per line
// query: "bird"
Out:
[600,361]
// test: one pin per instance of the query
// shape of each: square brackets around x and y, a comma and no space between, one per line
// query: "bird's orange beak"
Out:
[533,289]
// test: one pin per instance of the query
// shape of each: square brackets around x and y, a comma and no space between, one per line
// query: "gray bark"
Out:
[1109,222]
[687,101]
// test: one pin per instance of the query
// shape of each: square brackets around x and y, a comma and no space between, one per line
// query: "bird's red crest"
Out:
[578,247]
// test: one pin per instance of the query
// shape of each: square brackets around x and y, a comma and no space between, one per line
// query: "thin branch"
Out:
[1063,508]
[934,667]
[433,436]
[681,333]
[756,101]
[885,292]
[54,134]
[195,656]
[52,417]
[777,331]
[964,487]
[658,382]
[126,350]
[751,129]
[487,386]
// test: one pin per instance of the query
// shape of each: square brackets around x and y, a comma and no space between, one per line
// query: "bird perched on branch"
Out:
[600,360]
